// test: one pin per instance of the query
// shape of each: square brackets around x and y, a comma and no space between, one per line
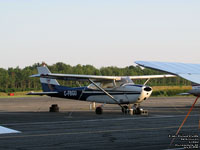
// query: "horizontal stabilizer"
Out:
[42,93]
[36,75]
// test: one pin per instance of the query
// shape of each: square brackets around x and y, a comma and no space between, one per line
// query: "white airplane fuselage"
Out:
[126,94]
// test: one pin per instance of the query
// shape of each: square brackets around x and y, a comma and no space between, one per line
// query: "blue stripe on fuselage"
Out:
[77,93]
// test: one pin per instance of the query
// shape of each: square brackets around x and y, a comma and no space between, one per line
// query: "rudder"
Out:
[47,84]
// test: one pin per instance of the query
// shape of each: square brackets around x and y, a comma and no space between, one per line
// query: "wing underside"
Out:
[190,72]
[75,77]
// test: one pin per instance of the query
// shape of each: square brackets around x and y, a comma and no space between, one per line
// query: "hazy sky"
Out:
[98,32]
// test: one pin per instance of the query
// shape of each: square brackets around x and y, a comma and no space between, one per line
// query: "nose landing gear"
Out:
[136,109]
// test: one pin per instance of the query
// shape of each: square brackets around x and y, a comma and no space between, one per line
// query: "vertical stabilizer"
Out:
[47,84]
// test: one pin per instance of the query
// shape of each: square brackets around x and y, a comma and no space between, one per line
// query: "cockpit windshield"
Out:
[124,80]
[112,84]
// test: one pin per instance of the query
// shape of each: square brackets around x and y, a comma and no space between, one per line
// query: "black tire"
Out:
[125,109]
[138,111]
[54,108]
[99,111]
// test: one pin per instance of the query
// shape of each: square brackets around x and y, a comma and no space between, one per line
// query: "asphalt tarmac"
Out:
[77,127]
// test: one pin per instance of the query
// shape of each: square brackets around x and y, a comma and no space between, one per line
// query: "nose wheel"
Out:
[136,109]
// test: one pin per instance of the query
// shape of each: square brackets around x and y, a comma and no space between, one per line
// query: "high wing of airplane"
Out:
[103,89]
[187,71]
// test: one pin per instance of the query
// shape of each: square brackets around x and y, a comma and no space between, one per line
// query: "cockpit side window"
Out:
[111,84]
[104,85]
[107,85]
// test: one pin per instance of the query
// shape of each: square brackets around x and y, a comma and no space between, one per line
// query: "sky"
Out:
[98,32]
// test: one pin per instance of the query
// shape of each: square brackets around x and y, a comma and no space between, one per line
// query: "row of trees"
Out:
[16,79]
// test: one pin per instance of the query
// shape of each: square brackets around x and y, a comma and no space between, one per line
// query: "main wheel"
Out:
[99,110]
[125,109]
[54,108]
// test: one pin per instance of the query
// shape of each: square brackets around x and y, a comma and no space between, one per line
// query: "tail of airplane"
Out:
[48,85]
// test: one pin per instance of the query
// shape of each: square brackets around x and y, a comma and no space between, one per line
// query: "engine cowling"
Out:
[145,94]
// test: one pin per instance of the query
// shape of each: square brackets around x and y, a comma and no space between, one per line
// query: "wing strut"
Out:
[146,81]
[100,88]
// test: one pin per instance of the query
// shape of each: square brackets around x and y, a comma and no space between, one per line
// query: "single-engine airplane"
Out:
[103,89]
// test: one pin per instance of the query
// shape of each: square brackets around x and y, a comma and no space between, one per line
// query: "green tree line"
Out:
[17,79]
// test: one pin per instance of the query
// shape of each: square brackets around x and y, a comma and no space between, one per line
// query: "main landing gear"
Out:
[99,110]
